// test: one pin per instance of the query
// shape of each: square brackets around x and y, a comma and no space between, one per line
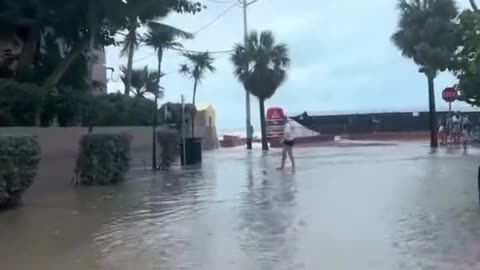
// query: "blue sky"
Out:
[342,59]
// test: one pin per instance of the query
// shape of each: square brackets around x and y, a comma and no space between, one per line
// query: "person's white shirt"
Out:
[288,132]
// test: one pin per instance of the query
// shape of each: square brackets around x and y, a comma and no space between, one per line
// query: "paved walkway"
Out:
[346,207]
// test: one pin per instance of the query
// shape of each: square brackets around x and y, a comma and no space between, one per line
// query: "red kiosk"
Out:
[275,126]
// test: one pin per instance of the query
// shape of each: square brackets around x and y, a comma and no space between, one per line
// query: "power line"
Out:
[218,1]
[215,19]
[210,52]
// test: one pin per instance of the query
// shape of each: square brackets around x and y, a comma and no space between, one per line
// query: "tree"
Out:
[267,69]
[77,24]
[426,34]
[467,60]
[161,37]
[200,64]
[142,11]
[143,81]
[474,5]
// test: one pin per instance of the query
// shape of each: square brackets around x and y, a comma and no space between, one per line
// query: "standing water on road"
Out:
[365,207]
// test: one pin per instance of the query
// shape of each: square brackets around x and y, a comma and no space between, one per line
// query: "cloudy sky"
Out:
[342,58]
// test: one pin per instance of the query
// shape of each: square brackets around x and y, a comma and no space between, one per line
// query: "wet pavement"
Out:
[371,206]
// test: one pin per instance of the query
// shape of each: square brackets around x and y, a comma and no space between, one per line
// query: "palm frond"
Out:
[200,64]
[164,36]
[132,38]
[267,39]
[184,69]
[170,30]
[425,30]
[267,63]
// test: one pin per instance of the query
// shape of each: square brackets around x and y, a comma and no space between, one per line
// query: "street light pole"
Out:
[247,95]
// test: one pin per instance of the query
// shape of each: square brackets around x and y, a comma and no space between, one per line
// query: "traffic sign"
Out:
[450,94]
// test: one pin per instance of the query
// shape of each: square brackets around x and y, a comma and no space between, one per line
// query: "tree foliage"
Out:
[75,24]
[143,81]
[19,158]
[197,67]
[70,107]
[467,65]
[261,66]
[427,35]
[426,32]
[141,12]
[103,159]
[18,101]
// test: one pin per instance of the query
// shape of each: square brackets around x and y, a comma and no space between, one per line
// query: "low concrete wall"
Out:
[388,136]
[60,149]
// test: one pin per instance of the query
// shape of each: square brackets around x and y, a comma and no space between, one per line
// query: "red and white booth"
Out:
[275,125]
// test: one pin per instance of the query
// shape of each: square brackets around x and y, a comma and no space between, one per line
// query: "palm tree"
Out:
[143,81]
[474,5]
[267,64]
[426,34]
[161,37]
[200,64]
[143,11]
[130,45]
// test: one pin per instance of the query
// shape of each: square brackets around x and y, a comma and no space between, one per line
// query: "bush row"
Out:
[103,159]
[70,107]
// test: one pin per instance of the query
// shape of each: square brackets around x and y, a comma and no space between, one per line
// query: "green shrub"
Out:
[19,157]
[103,159]
[168,147]
[18,103]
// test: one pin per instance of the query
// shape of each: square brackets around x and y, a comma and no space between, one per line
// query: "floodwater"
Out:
[365,207]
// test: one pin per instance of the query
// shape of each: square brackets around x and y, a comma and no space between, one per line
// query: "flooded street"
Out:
[363,207]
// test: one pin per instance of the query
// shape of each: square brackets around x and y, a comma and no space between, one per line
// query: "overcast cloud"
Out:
[342,58]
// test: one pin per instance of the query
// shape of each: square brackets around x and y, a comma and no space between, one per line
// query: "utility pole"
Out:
[247,94]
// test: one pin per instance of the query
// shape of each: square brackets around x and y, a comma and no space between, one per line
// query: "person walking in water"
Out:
[288,142]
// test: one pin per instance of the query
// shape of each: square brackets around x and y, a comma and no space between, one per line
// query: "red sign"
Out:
[274,114]
[275,122]
[449,94]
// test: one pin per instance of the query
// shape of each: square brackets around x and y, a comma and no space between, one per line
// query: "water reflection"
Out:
[390,207]
[267,213]
[439,228]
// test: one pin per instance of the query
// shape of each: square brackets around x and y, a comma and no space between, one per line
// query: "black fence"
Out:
[374,122]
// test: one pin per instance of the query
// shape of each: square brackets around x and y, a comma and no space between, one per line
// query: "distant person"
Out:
[465,138]
[442,132]
[467,124]
[288,142]
[456,128]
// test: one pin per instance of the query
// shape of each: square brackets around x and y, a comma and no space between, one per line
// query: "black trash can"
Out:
[193,151]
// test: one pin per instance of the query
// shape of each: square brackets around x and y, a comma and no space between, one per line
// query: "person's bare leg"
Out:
[284,157]
[290,155]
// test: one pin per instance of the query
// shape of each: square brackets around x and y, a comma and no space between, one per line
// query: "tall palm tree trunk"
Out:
[131,51]
[474,5]
[155,113]
[262,124]
[194,108]
[432,111]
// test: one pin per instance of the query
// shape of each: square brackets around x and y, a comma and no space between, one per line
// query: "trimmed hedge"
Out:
[19,158]
[103,159]
[167,139]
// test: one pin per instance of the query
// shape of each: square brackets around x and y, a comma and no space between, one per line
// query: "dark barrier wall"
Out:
[374,122]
